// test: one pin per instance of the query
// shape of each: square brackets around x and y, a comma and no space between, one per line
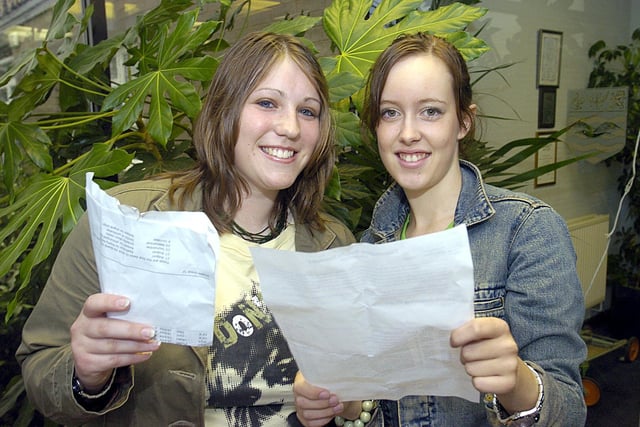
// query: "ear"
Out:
[466,124]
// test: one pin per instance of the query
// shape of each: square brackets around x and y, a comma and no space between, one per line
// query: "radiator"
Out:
[589,236]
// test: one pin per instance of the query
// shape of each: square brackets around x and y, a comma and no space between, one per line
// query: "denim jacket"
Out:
[525,273]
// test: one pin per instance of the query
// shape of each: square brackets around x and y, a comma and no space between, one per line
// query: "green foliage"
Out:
[614,67]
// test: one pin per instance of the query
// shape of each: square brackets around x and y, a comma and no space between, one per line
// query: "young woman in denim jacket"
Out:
[523,349]
[264,143]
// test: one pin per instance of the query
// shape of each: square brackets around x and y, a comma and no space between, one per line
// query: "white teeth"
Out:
[279,152]
[412,157]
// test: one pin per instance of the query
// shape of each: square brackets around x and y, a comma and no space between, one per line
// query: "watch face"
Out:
[75,385]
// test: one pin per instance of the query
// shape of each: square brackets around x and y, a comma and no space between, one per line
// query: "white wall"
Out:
[511,31]
[635,15]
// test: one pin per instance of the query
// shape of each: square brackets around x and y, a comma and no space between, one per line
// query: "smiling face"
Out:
[278,129]
[418,129]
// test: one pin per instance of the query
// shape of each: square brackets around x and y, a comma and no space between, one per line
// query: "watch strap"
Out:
[93,401]
[521,418]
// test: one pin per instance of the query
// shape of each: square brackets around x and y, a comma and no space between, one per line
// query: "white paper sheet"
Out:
[163,261]
[373,321]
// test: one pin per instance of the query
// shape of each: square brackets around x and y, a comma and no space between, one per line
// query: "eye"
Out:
[266,103]
[431,112]
[389,113]
[308,112]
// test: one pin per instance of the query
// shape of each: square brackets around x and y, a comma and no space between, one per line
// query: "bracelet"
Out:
[522,418]
[365,416]
[78,390]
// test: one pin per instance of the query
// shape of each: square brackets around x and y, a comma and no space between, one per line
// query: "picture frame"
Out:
[546,155]
[549,57]
[546,107]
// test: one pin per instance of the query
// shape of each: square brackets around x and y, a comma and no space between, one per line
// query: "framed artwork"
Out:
[546,107]
[549,54]
[546,155]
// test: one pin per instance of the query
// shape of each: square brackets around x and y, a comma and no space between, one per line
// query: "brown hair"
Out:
[244,65]
[417,44]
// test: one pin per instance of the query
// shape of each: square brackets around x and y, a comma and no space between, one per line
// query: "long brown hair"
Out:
[244,65]
[416,44]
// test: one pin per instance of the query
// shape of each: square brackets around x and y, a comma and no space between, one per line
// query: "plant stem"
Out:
[87,80]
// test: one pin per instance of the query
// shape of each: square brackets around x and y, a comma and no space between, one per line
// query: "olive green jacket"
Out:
[169,388]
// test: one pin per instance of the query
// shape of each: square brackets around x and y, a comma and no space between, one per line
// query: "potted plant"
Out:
[613,67]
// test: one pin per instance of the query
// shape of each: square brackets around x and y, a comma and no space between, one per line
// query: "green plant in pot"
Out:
[614,67]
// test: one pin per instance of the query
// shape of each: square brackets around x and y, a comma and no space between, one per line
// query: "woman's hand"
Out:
[100,344]
[489,354]
[317,406]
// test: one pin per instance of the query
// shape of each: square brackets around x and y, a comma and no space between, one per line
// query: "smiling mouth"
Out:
[412,157]
[280,153]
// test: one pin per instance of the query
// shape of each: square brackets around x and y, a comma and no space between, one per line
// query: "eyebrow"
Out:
[420,101]
[281,93]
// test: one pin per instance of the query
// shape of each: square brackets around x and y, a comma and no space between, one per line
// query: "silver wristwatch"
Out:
[526,418]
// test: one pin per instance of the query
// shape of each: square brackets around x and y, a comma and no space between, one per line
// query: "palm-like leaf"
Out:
[360,38]
[47,201]
[17,141]
[160,82]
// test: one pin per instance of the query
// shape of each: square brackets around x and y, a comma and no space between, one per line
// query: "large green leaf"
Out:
[47,202]
[100,54]
[34,88]
[17,141]
[360,38]
[23,64]
[61,21]
[158,82]
[66,27]
[167,10]
[296,26]
[342,85]
[347,129]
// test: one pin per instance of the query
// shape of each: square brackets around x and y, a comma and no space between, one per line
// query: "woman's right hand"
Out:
[100,344]
[317,407]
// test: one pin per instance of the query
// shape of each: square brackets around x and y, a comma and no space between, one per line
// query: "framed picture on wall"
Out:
[546,155]
[546,107]
[549,54]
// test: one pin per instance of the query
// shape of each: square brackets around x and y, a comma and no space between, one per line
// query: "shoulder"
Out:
[498,195]
[525,213]
[333,234]
[337,227]
[144,195]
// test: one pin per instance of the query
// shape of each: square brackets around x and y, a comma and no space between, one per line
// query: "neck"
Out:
[266,234]
[434,210]
[254,213]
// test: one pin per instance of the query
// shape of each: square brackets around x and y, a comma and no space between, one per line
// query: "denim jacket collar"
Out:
[392,208]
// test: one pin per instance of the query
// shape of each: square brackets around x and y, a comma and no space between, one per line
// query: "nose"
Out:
[409,132]
[287,124]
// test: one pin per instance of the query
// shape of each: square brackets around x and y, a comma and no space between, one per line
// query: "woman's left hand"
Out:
[489,354]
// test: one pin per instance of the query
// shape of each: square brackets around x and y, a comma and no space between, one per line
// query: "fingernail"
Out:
[123,302]
[148,333]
